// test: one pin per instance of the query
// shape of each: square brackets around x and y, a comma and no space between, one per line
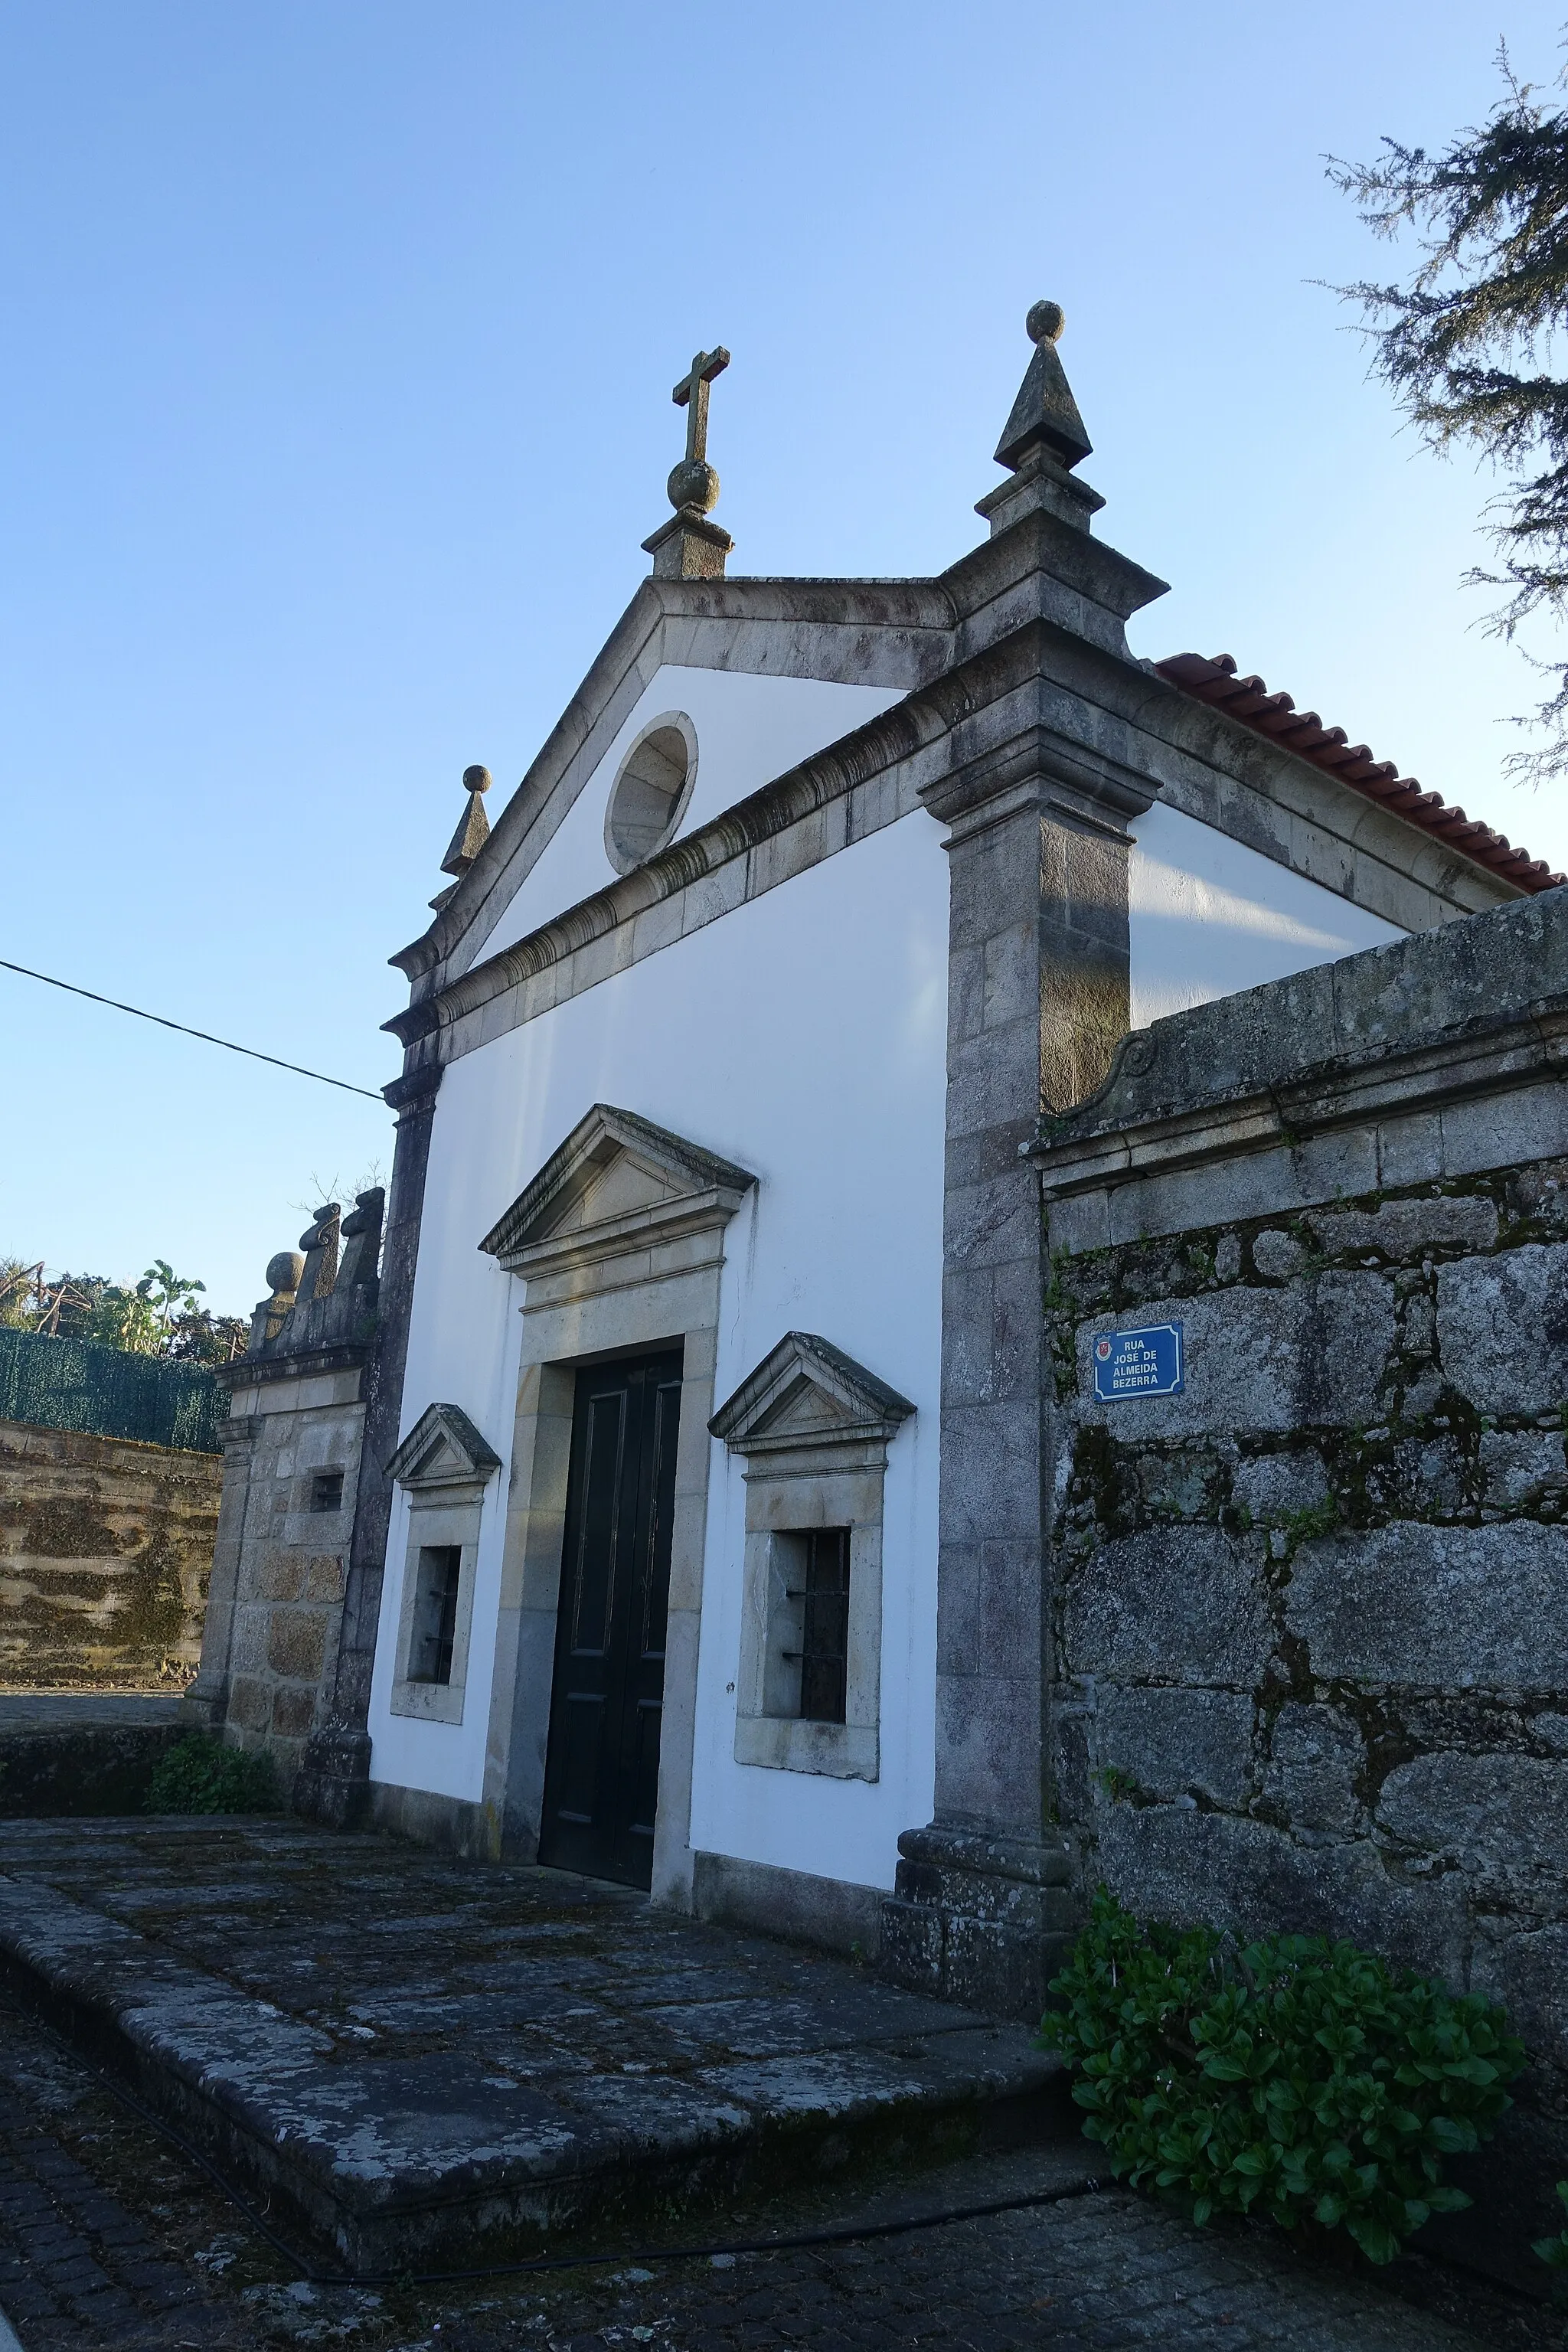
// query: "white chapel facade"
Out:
[691,1524]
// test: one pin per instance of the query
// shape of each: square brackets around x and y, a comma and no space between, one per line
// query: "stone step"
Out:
[82,1752]
[421,2061]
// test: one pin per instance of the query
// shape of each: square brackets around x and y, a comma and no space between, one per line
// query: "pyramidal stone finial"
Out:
[1045,414]
[1042,440]
[474,829]
[690,547]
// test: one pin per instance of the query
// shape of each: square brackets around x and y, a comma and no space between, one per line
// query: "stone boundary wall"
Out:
[106,1547]
[1310,1614]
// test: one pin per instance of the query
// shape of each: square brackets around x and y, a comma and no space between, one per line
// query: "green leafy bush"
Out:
[1555,2250]
[201,1776]
[1294,2077]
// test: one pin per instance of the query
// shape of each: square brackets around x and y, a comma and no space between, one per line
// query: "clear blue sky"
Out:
[336,403]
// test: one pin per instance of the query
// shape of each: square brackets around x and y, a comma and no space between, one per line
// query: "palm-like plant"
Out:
[167,1292]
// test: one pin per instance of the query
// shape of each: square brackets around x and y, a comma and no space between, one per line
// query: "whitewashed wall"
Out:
[748,730]
[803,1035]
[1210,916]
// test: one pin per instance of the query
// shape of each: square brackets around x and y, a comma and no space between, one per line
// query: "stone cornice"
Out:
[1043,568]
[1345,1090]
[1207,745]
[414,1090]
[443,1451]
[691,1192]
[1080,782]
[1014,702]
[257,1371]
[844,1405]
[634,1236]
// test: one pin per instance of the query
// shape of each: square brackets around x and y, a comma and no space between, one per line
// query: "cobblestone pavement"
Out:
[111,2238]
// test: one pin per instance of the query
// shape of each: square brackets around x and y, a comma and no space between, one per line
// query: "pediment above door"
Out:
[616,1183]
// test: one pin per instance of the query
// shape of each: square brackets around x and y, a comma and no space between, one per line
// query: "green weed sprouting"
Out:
[1293,2077]
[199,1774]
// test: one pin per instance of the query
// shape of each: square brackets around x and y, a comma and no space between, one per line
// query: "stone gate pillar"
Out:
[1041,783]
[1037,1000]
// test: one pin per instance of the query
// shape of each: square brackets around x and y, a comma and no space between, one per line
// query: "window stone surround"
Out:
[814,1428]
[444,1466]
[626,780]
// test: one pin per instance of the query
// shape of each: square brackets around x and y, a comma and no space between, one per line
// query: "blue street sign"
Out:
[1138,1363]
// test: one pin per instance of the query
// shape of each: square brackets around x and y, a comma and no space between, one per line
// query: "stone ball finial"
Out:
[475,780]
[1044,322]
[693,483]
[285,1271]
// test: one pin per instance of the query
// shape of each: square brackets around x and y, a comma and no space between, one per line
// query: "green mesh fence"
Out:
[77,1384]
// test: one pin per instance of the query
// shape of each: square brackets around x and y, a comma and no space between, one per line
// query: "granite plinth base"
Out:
[333,1784]
[983,1921]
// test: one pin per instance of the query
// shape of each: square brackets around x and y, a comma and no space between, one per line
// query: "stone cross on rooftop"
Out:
[691,394]
[691,547]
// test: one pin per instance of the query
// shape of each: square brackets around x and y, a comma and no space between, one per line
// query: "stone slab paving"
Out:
[418,2056]
[112,2241]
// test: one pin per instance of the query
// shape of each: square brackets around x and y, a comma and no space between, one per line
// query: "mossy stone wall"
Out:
[106,1547]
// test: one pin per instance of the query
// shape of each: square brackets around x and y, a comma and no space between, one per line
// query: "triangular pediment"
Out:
[443,1449]
[806,1392]
[883,634]
[623,1184]
[615,1172]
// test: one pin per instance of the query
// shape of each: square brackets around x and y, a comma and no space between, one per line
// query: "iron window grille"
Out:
[824,1626]
[327,1491]
[435,1613]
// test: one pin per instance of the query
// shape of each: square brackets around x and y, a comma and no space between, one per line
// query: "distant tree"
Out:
[16,1280]
[1465,343]
[59,1306]
[74,1299]
[203,1337]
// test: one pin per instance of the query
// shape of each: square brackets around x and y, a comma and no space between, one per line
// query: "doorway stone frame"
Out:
[618,1244]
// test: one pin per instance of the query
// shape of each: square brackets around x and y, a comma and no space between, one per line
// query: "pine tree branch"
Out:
[1467,344]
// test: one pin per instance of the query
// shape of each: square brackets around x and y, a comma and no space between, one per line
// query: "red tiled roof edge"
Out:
[1329,747]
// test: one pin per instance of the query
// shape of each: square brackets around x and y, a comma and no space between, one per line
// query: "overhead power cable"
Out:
[371,1093]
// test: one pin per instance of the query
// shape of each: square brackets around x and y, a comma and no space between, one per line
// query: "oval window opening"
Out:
[651,791]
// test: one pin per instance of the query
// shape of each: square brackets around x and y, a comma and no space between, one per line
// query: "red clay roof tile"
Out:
[1303,731]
